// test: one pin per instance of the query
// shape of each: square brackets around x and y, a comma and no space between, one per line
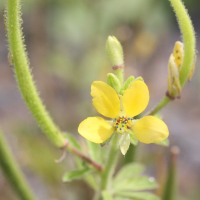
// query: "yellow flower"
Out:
[122,109]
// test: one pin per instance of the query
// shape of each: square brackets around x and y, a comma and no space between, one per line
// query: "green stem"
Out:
[26,83]
[110,165]
[12,172]
[170,192]
[120,75]
[23,74]
[189,41]
[131,154]
[162,104]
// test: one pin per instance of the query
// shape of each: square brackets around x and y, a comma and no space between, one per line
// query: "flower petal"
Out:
[150,129]
[135,98]
[105,99]
[95,129]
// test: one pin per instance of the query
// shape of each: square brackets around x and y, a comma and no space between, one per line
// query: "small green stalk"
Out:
[120,75]
[12,172]
[189,41]
[108,171]
[170,192]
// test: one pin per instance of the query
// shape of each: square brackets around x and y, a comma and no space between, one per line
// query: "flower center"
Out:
[122,124]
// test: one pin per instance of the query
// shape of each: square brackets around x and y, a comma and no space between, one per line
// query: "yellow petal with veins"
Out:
[150,129]
[105,99]
[135,98]
[95,129]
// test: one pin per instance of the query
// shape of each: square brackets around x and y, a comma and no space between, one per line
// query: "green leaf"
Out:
[93,149]
[76,174]
[128,171]
[134,140]
[138,195]
[136,183]
[72,141]
[165,142]
[106,195]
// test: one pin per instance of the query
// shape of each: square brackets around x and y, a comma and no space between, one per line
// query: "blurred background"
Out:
[66,45]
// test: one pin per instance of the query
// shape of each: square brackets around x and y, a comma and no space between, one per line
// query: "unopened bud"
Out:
[115,52]
[174,86]
[178,54]
[113,81]
[128,82]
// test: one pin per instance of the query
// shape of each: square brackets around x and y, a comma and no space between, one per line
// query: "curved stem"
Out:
[162,104]
[26,83]
[12,172]
[189,41]
[23,74]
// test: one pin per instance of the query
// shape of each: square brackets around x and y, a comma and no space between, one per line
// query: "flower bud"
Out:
[178,54]
[128,81]
[174,86]
[113,81]
[115,53]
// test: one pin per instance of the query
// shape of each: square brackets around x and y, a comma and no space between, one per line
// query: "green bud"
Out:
[139,78]
[114,82]
[128,82]
[115,53]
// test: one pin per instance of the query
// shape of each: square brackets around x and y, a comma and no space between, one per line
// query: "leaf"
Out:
[164,142]
[76,174]
[93,149]
[72,141]
[138,195]
[106,195]
[128,171]
[134,140]
[136,183]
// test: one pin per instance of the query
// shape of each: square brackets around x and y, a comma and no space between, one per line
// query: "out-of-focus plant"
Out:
[117,99]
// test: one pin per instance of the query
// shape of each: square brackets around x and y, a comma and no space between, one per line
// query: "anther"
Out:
[120,129]
[116,126]
[129,118]
[122,125]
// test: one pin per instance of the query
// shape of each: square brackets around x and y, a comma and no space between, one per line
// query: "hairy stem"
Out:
[23,74]
[189,41]
[26,83]
[12,172]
